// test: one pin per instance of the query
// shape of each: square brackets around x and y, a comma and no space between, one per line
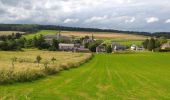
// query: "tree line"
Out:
[32,28]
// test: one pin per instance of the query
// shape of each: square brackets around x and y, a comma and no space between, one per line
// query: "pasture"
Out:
[138,76]
[42,32]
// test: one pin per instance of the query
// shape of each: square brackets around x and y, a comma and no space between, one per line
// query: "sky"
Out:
[131,15]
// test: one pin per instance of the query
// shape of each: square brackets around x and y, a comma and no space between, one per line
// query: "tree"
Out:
[93,45]
[38,59]
[53,59]
[46,64]
[151,44]
[145,43]
[14,59]
[55,45]
[162,40]
[109,49]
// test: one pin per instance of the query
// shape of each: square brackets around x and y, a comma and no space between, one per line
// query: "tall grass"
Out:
[26,69]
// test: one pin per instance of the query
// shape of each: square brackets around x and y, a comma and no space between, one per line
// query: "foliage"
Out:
[93,45]
[38,59]
[109,49]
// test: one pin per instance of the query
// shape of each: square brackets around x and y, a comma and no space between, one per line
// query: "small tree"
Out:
[46,64]
[14,59]
[109,49]
[53,59]
[38,59]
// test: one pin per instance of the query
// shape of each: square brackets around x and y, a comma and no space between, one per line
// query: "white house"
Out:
[66,47]
[133,47]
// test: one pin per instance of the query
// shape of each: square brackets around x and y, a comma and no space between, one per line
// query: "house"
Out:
[165,46]
[101,48]
[88,40]
[66,47]
[133,47]
[116,46]
[137,48]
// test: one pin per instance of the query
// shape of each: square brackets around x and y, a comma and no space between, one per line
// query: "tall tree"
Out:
[151,44]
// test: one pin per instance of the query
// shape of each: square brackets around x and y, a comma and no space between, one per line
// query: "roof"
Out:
[64,44]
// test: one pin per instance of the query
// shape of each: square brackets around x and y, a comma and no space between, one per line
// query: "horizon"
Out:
[125,15]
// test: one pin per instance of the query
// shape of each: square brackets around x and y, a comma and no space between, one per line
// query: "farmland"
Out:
[105,35]
[138,76]
[8,32]
[26,63]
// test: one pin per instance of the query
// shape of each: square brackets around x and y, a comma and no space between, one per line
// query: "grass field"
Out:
[42,32]
[140,76]
[8,32]
[124,42]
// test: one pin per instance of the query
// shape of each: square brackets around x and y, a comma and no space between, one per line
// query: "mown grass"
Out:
[124,42]
[138,76]
[42,32]
[27,69]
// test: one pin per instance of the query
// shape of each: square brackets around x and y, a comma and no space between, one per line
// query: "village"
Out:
[69,43]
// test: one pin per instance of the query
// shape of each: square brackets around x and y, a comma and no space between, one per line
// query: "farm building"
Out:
[66,47]
[137,48]
[116,46]
[165,46]
[133,47]
[101,48]
[72,47]
[58,36]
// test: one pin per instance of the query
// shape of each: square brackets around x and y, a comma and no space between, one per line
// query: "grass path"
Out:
[143,76]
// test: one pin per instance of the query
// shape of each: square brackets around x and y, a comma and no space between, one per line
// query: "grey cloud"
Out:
[115,14]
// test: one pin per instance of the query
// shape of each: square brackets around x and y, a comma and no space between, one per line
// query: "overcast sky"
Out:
[136,15]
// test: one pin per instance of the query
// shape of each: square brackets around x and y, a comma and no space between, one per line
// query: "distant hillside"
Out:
[31,28]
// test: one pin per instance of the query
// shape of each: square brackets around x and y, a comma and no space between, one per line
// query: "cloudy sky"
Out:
[135,15]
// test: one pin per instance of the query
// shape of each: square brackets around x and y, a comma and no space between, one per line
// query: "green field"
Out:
[124,42]
[140,76]
[42,32]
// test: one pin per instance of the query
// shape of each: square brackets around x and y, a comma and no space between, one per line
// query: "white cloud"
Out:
[130,20]
[68,20]
[96,19]
[167,21]
[152,19]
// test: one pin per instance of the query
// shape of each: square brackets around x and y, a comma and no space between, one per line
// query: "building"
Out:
[58,36]
[116,46]
[66,47]
[101,48]
[133,47]
[165,46]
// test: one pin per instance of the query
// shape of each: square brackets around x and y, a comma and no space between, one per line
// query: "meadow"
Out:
[42,32]
[26,68]
[136,76]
